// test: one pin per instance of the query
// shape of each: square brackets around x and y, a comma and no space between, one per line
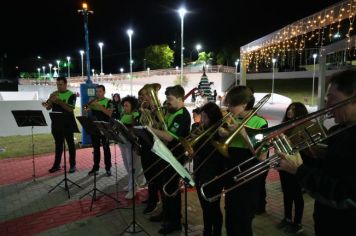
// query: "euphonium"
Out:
[154,117]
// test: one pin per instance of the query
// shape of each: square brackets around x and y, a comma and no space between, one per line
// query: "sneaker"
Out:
[54,169]
[284,223]
[130,195]
[108,173]
[126,188]
[151,207]
[72,170]
[170,228]
[294,228]
[92,172]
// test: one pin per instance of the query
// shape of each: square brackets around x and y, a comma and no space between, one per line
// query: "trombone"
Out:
[222,147]
[273,138]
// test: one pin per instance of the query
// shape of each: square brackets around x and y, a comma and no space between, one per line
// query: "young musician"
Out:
[101,109]
[241,203]
[63,100]
[207,165]
[178,126]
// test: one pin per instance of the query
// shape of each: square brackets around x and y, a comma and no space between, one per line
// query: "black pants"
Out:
[96,141]
[59,137]
[292,193]
[240,209]
[171,206]
[261,204]
[212,215]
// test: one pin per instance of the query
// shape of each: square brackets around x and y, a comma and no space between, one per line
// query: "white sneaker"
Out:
[126,188]
[130,195]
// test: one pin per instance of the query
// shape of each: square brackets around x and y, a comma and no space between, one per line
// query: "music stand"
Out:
[30,118]
[60,119]
[128,137]
[90,126]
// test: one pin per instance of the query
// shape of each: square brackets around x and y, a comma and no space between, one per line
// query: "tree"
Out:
[204,57]
[159,56]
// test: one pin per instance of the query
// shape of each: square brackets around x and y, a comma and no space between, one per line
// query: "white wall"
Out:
[8,125]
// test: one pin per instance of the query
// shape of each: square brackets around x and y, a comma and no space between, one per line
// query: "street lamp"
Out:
[312,98]
[68,60]
[236,65]
[81,58]
[58,61]
[93,71]
[101,57]
[129,33]
[44,71]
[198,47]
[39,72]
[50,70]
[85,13]
[274,60]
[148,71]
[182,11]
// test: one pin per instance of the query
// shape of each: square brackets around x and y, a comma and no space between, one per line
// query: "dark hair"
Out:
[196,110]
[64,79]
[345,81]
[212,111]
[116,95]
[176,91]
[299,110]
[132,100]
[101,86]
[240,95]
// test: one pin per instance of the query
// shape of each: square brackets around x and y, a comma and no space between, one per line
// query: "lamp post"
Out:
[39,72]
[44,71]
[85,13]
[81,58]
[274,60]
[101,44]
[236,65]
[182,11]
[58,61]
[50,70]
[68,60]
[129,33]
[312,98]
[148,71]
[93,71]
[198,47]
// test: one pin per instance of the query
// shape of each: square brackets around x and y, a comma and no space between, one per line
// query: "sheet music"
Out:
[161,150]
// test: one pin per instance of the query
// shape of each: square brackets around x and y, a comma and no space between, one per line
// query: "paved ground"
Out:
[26,207]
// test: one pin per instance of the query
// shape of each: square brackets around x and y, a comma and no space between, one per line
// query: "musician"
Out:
[101,108]
[63,100]
[292,191]
[241,203]
[178,126]
[333,181]
[147,156]
[129,118]
[208,164]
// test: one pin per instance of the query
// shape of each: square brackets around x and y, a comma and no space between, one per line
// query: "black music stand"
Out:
[91,126]
[30,118]
[60,119]
[128,137]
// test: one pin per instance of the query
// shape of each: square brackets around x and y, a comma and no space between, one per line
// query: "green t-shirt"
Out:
[255,122]
[129,118]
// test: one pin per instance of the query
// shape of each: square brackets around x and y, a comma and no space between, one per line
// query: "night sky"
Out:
[54,29]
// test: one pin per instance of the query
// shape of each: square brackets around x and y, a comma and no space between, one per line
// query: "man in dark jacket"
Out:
[332,182]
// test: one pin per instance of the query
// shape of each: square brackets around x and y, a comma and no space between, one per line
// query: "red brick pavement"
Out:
[60,215]
[15,170]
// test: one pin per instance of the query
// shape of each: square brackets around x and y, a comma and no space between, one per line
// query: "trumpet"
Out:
[86,106]
[49,100]
[311,134]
